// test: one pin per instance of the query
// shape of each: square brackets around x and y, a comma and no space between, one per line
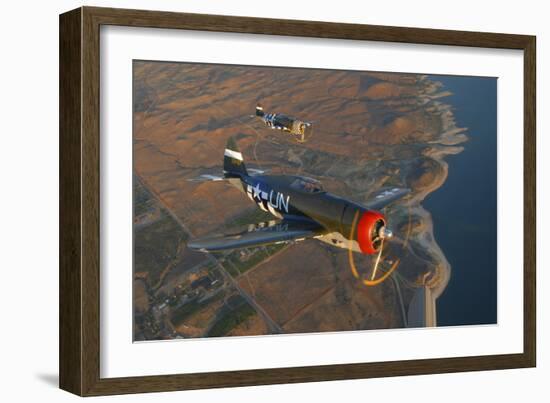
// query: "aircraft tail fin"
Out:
[259,110]
[233,164]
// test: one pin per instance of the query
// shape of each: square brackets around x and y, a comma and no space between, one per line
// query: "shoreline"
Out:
[447,144]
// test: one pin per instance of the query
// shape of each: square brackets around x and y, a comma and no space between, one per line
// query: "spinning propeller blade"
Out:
[377,260]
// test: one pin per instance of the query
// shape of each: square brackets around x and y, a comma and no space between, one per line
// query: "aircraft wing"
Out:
[259,234]
[217,178]
[207,178]
[386,196]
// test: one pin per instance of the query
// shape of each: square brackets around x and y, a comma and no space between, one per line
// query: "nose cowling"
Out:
[371,228]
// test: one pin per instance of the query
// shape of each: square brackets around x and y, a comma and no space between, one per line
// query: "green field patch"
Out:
[231,320]
[179,315]
[156,245]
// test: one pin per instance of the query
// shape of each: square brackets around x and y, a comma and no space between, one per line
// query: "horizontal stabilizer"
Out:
[207,178]
[233,164]
[255,171]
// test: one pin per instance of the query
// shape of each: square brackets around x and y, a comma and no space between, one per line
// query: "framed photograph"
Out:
[251,201]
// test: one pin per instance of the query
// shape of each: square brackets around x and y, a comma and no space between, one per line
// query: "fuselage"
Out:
[301,198]
[278,121]
[286,123]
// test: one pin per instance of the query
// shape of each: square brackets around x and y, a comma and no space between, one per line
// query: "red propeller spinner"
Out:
[371,230]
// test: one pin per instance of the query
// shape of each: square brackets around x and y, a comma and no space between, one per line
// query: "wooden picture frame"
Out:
[79,346]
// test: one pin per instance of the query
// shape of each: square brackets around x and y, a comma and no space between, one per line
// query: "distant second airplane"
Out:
[285,123]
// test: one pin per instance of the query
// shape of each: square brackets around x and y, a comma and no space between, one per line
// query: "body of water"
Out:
[464,209]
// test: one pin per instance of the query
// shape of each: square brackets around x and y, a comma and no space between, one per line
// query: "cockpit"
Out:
[307,185]
[282,120]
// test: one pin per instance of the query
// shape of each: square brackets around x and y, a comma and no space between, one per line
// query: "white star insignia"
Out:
[257,190]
